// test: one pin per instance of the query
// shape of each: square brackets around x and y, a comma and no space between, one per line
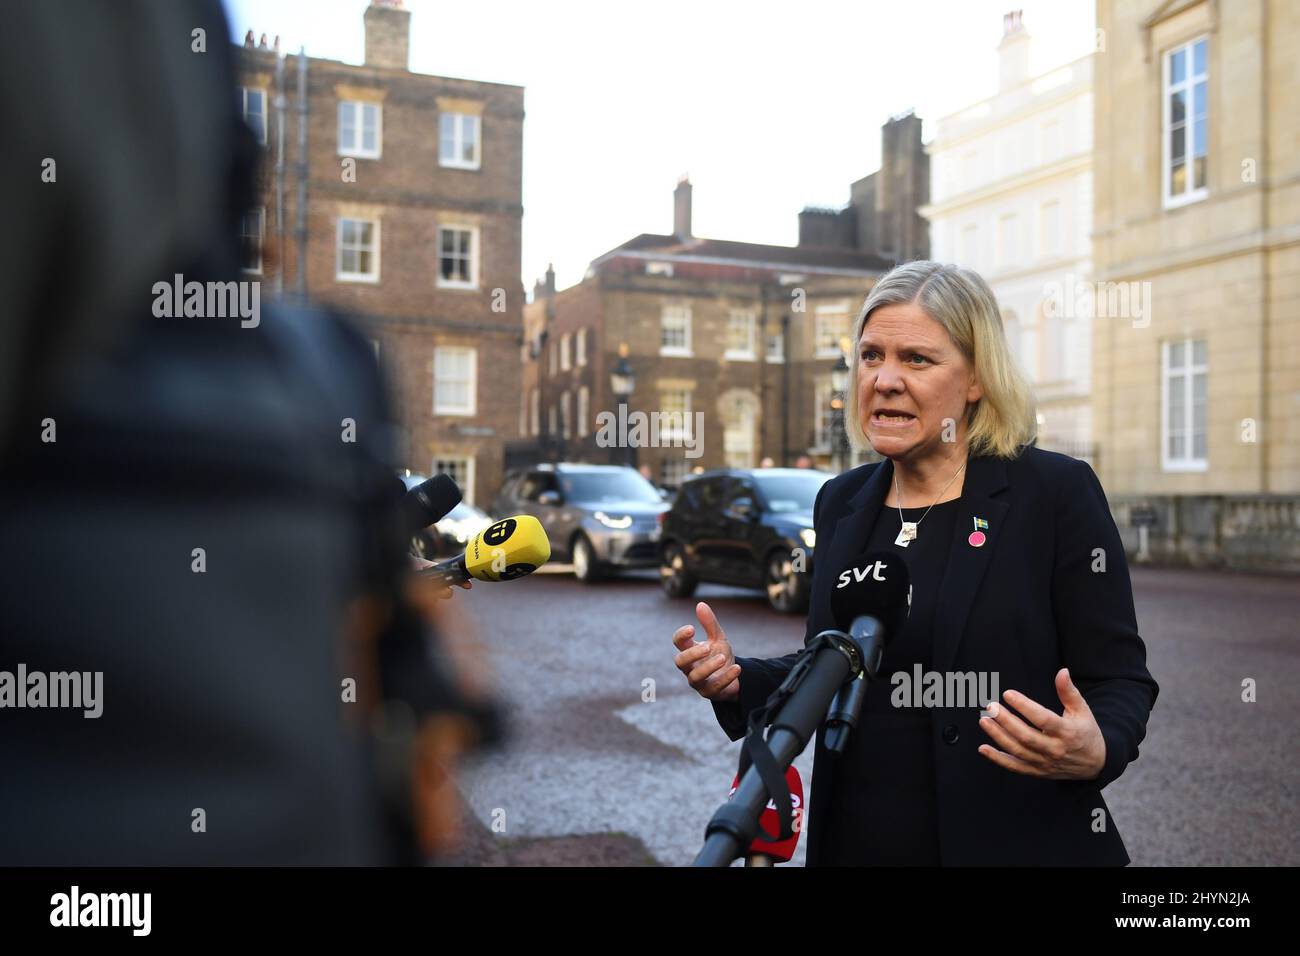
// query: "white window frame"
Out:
[678,311]
[566,416]
[1192,194]
[1051,243]
[673,471]
[968,246]
[535,412]
[1008,240]
[774,356]
[823,440]
[457,410]
[822,314]
[355,148]
[666,431]
[746,354]
[553,352]
[259,131]
[580,348]
[1187,373]
[566,352]
[339,274]
[460,119]
[552,429]
[473,256]
[467,487]
[584,412]
[260,212]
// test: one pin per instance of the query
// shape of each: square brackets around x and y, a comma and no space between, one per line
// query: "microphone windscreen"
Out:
[780,850]
[507,549]
[876,584]
[429,502]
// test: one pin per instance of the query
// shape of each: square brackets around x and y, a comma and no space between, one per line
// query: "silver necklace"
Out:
[911,529]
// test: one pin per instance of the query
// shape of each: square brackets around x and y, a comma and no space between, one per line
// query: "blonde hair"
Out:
[1002,420]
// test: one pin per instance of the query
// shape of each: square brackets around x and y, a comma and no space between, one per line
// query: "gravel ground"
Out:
[597,775]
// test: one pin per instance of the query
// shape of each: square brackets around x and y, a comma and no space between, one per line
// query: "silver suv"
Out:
[603,518]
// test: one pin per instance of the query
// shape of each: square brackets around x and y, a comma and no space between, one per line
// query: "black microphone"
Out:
[429,502]
[870,603]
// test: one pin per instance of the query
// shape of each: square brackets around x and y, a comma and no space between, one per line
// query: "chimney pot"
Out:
[682,208]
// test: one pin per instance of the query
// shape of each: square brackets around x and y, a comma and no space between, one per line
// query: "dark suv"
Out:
[741,527]
[600,517]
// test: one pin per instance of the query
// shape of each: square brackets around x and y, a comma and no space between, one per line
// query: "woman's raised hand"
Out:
[709,665]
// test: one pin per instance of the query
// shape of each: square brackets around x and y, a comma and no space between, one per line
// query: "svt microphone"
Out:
[766,852]
[870,603]
[505,550]
[429,502]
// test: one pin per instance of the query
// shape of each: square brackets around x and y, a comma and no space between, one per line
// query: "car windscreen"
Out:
[787,493]
[597,487]
[465,512]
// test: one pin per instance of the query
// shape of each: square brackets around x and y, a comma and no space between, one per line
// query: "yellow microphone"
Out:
[504,550]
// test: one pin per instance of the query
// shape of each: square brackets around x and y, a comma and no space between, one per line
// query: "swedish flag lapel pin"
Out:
[977,537]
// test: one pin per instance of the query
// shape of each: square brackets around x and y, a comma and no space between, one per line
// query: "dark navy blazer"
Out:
[1033,599]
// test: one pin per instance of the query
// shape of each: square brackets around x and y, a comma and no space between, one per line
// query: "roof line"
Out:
[752,263]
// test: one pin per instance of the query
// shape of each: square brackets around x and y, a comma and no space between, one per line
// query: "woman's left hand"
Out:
[1066,746]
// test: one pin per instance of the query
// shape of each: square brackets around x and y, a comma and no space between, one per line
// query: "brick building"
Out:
[745,333]
[397,197]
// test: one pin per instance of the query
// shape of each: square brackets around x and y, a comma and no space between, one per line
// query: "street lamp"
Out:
[622,382]
[839,389]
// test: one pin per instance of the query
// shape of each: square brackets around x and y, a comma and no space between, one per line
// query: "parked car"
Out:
[449,536]
[602,518]
[741,527]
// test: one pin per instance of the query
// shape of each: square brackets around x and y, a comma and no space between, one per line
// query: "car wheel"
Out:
[676,580]
[786,589]
[585,566]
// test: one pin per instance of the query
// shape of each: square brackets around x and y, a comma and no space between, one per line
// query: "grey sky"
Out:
[768,106]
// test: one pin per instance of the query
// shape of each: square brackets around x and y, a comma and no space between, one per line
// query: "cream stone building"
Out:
[1011,188]
[1196,404]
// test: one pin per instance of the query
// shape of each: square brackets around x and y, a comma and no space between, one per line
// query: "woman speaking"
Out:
[1018,576]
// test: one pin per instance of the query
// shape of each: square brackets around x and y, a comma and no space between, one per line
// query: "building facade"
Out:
[1012,199]
[737,340]
[1197,208]
[397,197]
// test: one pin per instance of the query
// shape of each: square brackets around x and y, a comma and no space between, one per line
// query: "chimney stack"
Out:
[682,208]
[388,35]
[545,288]
[1013,51]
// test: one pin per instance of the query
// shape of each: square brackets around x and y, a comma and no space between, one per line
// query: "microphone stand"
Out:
[812,683]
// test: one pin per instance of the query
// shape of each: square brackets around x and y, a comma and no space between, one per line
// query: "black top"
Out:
[882,813]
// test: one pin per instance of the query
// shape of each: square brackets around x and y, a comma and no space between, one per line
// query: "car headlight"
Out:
[809,537]
[623,522]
